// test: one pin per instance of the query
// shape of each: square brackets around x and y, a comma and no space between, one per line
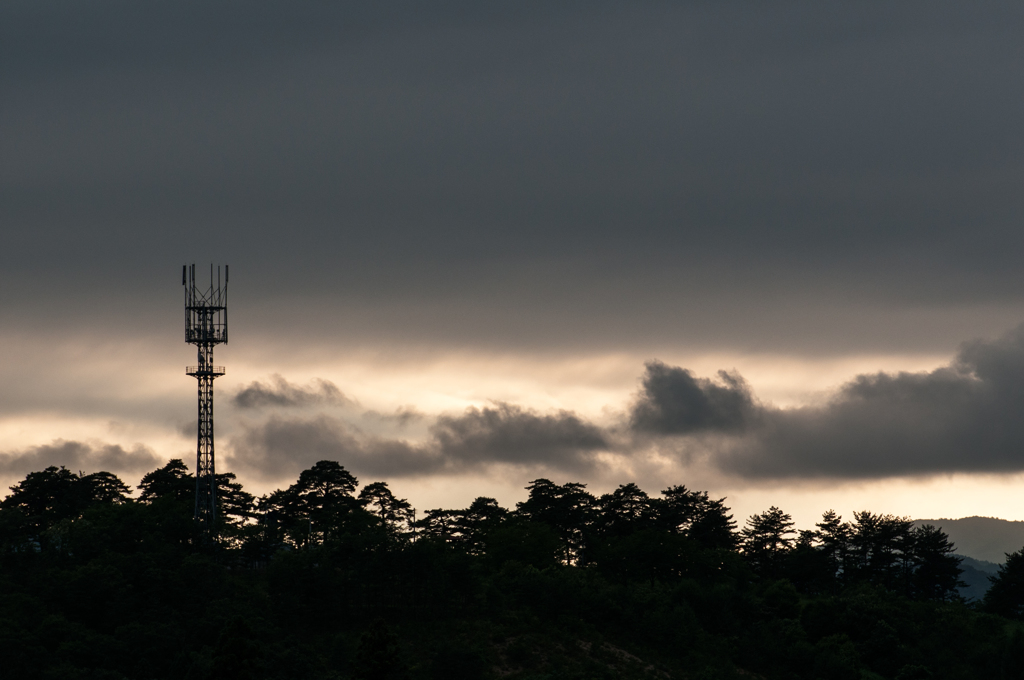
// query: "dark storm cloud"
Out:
[78,456]
[473,441]
[282,447]
[581,167]
[401,416]
[509,434]
[964,417]
[673,401]
[280,392]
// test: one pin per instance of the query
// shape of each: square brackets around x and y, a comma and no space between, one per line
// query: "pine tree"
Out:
[767,539]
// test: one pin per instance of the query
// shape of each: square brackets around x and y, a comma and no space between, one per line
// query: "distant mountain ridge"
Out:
[976,577]
[983,538]
[983,543]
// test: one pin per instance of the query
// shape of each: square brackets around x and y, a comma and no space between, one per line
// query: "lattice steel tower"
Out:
[206,325]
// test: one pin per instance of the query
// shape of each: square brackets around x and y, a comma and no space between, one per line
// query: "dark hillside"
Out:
[983,538]
[976,576]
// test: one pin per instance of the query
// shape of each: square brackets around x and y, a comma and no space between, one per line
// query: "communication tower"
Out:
[206,325]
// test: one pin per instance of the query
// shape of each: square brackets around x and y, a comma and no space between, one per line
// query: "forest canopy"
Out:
[328,578]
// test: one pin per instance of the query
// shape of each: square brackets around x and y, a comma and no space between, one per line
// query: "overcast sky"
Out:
[770,250]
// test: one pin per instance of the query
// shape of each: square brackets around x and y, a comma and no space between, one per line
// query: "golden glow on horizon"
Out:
[154,403]
[596,386]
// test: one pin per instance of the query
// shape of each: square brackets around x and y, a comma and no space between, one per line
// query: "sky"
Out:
[771,251]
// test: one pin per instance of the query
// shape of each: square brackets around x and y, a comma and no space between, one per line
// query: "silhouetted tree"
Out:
[819,561]
[568,509]
[628,541]
[518,539]
[174,486]
[317,507]
[274,524]
[1006,596]
[46,497]
[236,513]
[810,566]
[171,481]
[833,535]
[477,521]
[881,549]
[56,497]
[235,505]
[766,540]
[694,515]
[624,511]
[465,529]
[395,513]
[104,488]
[442,525]
[935,571]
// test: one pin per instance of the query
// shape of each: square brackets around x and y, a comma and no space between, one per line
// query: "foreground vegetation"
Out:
[327,580]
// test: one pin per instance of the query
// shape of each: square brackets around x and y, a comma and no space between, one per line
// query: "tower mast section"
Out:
[206,325]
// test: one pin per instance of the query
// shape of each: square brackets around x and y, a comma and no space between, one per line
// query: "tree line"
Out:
[350,581]
[625,533]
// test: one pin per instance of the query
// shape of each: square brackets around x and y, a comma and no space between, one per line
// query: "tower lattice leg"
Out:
[206,486]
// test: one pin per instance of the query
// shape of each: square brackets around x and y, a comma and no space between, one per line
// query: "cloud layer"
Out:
[520,175]
[964,417]
[673,401]
[476,440]
[279,392]
[80,456]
